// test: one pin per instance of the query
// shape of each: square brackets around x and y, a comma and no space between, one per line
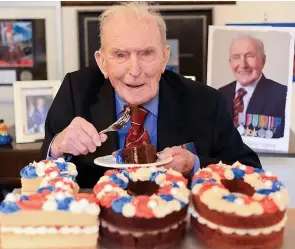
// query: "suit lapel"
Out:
[168,118]
[102,114]
[230,104]
[256,104]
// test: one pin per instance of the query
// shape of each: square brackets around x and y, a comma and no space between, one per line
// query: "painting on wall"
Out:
[188,27]
[22,50]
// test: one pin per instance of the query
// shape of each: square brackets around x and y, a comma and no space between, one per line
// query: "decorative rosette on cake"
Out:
[262,192]
[112,191]
[50,169]
[48,200]
[5,139]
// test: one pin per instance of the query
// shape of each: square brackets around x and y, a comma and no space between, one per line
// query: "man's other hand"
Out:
[79,138]
[183,160]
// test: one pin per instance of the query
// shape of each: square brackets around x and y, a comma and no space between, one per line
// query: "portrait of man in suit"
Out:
[255,103]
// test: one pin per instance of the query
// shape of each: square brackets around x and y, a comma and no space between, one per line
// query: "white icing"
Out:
[10,197]
[152,204]
[40,169]
[60,160]
[108,188]
[239,201]
[59,184]
[93,209]
[128,210]
[53,174]
[60,195]
[268,174]
[50,205]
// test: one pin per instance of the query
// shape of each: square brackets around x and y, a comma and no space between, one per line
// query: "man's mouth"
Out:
[134,86]
[244,73]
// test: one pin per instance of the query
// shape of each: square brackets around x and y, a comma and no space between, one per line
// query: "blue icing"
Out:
[174,185]
[125,173]
[238,173]
[63,166]
[119,156]
[67,175]
[50,188]
[155,174]
[118,204]
[116,180]
[198,181]
[265,191]
[167,197]
[9,207]
[230,197]
[29,172]
[64,204]
[24,198]
[276,186]
[259,171]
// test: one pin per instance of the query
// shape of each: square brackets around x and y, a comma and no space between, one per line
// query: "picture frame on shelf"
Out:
[32,100]
[22,50]
[188,27]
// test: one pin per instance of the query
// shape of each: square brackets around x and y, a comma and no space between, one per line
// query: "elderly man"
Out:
[255,103]
[132,61]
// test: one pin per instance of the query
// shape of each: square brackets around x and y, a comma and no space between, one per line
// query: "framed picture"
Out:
[187,32]
[22,50]
[243,66]
[32,100]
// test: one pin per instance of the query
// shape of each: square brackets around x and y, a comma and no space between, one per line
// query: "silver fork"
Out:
[120,123]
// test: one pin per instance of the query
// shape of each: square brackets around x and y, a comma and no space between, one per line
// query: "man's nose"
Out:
[134,65]
[243,62]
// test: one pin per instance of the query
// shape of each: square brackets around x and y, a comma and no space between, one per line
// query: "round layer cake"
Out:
[142,207]
[237,206]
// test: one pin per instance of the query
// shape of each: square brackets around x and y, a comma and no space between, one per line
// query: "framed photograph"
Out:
[32,100]
[22,50]
[187,32]
[243,66]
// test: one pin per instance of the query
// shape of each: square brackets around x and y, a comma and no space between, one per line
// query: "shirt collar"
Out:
[151,106]
[249,88]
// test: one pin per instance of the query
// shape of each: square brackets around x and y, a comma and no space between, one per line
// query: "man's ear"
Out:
[166,57]
[100,61]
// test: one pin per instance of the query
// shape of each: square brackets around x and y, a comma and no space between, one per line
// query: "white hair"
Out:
[137,8]
[252,38]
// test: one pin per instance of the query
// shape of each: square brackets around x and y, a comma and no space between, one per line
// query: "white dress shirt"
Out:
[249,89]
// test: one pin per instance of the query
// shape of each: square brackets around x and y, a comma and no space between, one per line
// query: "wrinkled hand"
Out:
[183,160]
[80,137]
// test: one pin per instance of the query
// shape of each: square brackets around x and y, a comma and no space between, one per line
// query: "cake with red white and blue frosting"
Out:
[37,174]
[142,207]
[238,206]
[55,215]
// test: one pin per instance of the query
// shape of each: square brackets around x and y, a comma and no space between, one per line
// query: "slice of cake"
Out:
[145,153]
[33,174]
[49,220]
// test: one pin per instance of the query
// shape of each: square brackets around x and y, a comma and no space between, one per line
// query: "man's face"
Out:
[133,57]
[246,61]
[40,103]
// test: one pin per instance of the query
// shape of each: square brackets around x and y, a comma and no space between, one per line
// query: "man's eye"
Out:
[120,55]
[148,52]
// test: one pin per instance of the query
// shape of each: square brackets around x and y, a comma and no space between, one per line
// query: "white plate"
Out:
[110,162]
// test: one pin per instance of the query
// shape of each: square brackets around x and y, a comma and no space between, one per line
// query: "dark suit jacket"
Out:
[269,99]
[188,112]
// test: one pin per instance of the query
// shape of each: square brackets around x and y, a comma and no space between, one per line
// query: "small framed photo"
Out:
[32,100]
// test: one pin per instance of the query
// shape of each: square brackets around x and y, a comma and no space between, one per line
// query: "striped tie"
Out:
[137,135]
[238,105]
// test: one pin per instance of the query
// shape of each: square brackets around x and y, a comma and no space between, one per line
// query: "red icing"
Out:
[173,178]
[217,169]
[268,178]
[99,186]
[142,209]
[132,169]
[111,171]
[165,190]
[52,169]
[203,175]
[268,205]
[249,170]
[89,197]
[108,197]
[34,202]
[247,199]
[209,185]
[53,181]
[46,161]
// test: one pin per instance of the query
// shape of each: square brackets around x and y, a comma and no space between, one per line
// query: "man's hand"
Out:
[80,137]
[183,160]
